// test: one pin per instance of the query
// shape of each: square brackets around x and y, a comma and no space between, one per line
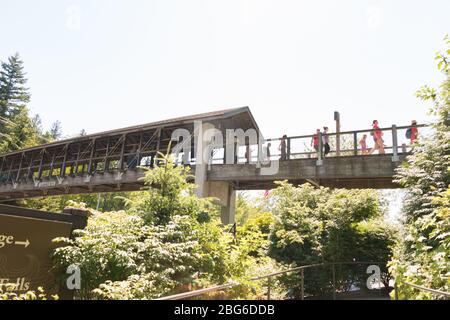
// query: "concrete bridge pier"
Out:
[223,191]
[225,197]
[227,200]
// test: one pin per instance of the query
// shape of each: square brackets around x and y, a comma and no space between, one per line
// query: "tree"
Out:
[55,132]
[319,225]
[14,94]
[18,129]
[168,240]
[422,255]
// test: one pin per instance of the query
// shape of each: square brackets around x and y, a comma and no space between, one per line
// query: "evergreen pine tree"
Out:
[17,129]
[56,130]
[14,94]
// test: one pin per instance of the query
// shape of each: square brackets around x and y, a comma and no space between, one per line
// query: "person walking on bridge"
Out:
[377,137]
[412,133]
[315,141]
[326,141]
[363,144]
[283,148]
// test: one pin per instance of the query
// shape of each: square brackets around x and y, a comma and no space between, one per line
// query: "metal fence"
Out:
[438,293]
[269,280]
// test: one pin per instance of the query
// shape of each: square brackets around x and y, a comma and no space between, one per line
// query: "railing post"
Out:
[395,157]
[269,284]
[91,156]
[395,290]
[20,166]
[122,154]
[289,148]
[334,281]
[355,143]
[319,161]
[64,162]
[404,149]
[41,163]
[302,285]
[337,118]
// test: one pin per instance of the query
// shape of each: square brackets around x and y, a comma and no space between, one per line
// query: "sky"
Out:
[106,64]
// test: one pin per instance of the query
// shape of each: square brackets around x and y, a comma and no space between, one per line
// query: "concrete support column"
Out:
[229,210]
[222,191]
[201,166]
[225,196]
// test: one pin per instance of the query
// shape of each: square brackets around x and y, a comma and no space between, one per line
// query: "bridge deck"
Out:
[374,171]
[108,161]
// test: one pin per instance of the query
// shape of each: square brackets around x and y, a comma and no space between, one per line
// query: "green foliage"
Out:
[13,92]
[319,225]
[108,249]
[30,295]
[422,257]
[247,207]
[115,201]
[161,244]
[18,129]
[168,194]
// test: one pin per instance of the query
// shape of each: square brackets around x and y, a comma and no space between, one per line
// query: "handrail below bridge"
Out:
[425,289]
[200,292]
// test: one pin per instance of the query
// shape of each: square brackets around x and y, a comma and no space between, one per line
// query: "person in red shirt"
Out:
[363,144]
[414,132]
[315,140]
[378,138]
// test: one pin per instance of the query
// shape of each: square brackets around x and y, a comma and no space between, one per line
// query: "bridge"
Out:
[110,161]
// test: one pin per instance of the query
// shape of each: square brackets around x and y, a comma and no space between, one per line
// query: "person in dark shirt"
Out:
[283,148]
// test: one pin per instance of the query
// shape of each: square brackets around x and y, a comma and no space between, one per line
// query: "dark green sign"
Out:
[25,251]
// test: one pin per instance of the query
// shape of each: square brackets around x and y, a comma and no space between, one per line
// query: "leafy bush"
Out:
[319,225]
[168,241]
[422,255]
[30,295]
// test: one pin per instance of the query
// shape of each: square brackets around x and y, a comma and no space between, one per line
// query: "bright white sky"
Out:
[107,64]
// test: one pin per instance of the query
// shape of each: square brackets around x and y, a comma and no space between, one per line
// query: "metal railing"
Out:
[435,292]
[269,278]
[119,154]
[341,144]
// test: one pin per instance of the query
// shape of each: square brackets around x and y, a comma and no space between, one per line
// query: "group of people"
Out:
[325,141]
[376,133]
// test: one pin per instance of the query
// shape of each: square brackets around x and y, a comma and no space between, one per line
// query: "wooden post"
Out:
[106,162]
[89,171]
[1,167]
[334,281]
[395,290]
[50,174]
[10,171]
[20,166]
[289,148]
[138,153]
[337,118]
[77,160]
[320,151]
[302,284]
[122,151]
[269,285]
[29,168]
[395,157]
[158,146]
[40,164]
[64,163]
